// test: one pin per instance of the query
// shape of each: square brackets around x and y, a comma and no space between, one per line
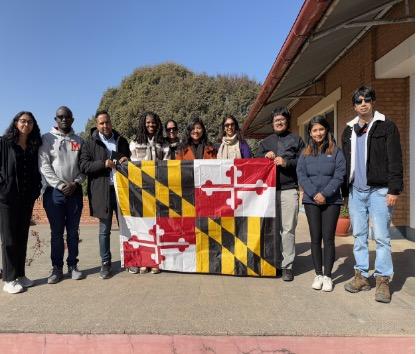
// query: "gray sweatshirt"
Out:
[58,159]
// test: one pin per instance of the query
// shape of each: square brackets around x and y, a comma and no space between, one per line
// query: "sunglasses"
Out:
[229,125]
[62,117]
[171,129]
[360,100]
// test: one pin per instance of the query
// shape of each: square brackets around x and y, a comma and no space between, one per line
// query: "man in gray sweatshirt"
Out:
[62,197]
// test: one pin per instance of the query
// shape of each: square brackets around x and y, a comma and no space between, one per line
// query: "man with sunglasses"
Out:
[371,145]
[62,197]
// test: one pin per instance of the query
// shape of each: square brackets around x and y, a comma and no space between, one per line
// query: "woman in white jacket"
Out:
[147,145]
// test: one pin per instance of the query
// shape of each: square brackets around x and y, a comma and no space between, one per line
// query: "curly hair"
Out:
[141,133]
[328,145]
[34,139]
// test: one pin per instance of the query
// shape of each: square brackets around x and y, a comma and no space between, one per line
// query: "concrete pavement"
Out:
[209,305]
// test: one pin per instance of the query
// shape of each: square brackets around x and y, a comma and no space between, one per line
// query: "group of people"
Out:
[57,164]
[366,172]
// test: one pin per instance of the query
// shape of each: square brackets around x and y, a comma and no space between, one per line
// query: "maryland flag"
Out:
[205,216]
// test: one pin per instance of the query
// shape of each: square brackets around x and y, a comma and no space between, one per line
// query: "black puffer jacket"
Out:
[384,155]
[288,146]
[92,163]
[9,184]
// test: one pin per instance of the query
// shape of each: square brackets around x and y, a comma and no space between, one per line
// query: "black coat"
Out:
[288,146]
[9,184]
[92,163]
[384,156]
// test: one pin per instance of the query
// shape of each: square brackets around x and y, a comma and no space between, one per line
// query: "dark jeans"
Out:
[63,213]
[322,220]
[104,230]
[14,232]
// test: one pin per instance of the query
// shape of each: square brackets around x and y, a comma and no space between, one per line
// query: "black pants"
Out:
[322,220]
[14,232]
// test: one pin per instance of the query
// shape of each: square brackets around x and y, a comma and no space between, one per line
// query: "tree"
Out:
[173,91]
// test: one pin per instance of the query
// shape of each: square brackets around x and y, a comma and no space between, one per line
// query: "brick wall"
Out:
[393,100]
[39,215]
[356,68]
[389,36]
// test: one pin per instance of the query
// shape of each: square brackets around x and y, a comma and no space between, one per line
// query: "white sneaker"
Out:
[327,284]
[12,287]
[317,282]
[25,282]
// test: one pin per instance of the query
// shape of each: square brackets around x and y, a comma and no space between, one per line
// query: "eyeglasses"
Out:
[62,117]
[279,121]
[24,121]
[360,100]
[229,125]
[171,129]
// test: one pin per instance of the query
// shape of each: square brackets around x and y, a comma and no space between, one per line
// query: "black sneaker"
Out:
[56,275]
[105,271]
[287,274]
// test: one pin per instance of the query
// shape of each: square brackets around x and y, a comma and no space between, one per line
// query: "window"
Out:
[326,107]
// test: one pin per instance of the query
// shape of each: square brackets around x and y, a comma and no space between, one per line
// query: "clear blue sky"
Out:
[69,52]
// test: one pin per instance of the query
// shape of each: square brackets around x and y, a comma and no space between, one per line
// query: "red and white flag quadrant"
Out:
[166,243]
[239,187]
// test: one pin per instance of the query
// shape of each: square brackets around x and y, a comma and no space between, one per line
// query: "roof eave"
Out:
[309,16]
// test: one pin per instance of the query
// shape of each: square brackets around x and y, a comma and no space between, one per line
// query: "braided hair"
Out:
[141,134]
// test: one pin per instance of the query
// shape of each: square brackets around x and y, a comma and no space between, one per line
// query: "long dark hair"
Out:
[34,140]
[222,128]
[190,126]
[328,144]
[141,131]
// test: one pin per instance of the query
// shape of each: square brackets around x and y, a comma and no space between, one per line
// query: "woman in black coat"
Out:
[321,170]
[20,185]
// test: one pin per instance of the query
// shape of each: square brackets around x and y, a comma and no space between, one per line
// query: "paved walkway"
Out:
[175,304]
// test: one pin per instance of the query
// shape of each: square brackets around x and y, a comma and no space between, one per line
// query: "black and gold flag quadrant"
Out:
[150,189]
[237,246]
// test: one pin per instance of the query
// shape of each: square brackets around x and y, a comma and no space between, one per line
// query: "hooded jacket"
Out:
[58,159]
[383,154]
[92,163]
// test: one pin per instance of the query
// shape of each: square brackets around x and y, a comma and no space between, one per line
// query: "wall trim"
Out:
[324,105]
[398,62]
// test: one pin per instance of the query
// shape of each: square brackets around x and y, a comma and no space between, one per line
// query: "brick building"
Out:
[333,48]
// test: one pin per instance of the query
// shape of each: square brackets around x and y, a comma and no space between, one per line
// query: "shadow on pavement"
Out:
[302,264]
[404,267]
[403,264]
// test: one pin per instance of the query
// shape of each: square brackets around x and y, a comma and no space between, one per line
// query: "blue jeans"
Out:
[371,206]
[104,230]
[63,212]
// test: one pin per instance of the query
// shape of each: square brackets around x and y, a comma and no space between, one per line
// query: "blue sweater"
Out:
[322,174]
